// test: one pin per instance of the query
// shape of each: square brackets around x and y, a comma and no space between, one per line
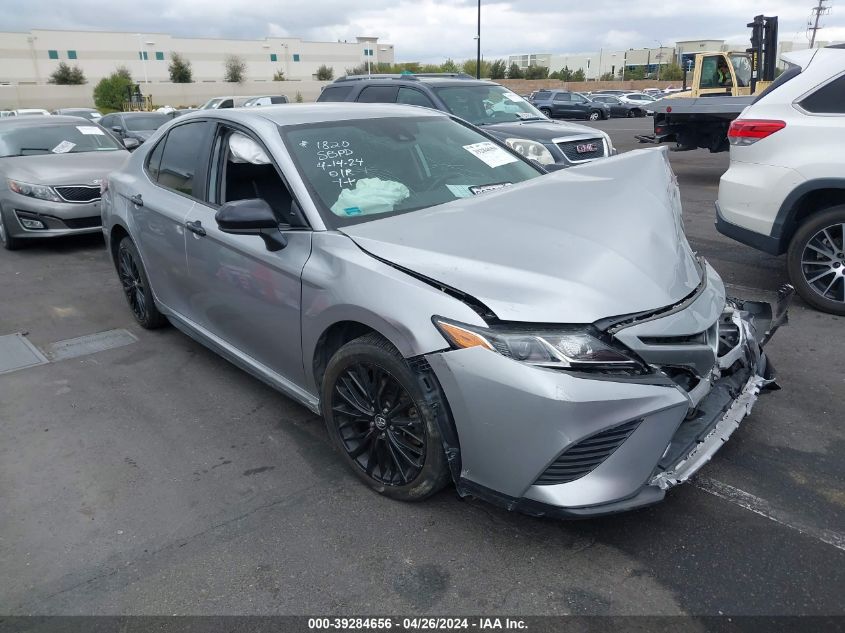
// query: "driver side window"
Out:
[242,170]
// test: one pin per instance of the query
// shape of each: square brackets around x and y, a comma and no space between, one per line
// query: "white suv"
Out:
[785,189]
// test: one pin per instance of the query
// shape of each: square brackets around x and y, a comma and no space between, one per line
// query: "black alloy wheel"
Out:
[384,416]
[379,425]
[136,287]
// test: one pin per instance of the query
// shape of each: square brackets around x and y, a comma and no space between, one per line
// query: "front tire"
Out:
[547,112]
[816,260]
[595,115]
[9,243]
[136,286]
[381,416]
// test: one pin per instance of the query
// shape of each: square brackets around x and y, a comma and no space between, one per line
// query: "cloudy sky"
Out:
[431,30]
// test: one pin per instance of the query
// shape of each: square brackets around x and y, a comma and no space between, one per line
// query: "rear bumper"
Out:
[762,242]
[515,422]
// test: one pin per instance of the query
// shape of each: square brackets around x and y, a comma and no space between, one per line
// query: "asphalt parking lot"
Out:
[156,478]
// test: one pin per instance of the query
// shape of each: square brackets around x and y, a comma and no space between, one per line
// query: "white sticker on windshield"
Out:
[90,129]
[490,153]
[512,96]
[460,191]
[63,148]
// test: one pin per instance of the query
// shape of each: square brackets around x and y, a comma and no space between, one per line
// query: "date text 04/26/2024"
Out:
[416,624]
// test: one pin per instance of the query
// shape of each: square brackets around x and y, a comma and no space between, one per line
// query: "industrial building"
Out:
[596,64]
[30,58]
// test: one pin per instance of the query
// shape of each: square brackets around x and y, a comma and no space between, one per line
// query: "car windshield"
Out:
[361,170]
[146,122]
[55,139]
[482,105]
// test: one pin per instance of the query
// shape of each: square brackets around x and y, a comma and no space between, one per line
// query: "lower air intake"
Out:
[585,456]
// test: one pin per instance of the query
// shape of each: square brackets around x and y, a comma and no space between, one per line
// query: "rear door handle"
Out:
[137,200]
[195,227]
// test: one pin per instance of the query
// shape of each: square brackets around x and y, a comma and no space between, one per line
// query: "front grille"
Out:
[84,223]
[570,149]
[585,456]
[79,193]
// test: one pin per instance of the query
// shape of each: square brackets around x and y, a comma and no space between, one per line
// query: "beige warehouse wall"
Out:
[52,97]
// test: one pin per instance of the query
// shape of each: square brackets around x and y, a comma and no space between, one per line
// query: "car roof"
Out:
[131,114]
[76,110]
[302,113]
[13,121]
[415,80]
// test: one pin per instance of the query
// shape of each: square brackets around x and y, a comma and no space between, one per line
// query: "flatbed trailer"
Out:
[696,122]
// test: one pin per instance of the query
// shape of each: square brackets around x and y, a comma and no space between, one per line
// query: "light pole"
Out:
[659,57]
[478,44]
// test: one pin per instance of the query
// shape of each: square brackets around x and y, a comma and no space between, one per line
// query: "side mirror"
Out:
[117,130]
[252,216]
[131,143]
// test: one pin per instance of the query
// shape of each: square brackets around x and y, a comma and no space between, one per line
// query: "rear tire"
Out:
[381,416]
[9,243]
[816,260]
[136,286]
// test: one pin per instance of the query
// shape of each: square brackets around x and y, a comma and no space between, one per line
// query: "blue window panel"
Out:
[142,55]
[53,54]
[71,54]
[296,57]
[274,57]
[160,56]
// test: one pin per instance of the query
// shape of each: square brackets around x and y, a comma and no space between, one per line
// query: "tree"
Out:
[180,69]
[498,69]
[536,72]
[298,98]
[671,72]
[64,75]
[112,91]
[324,73]
[607,77]
[234,69]
[514,72]
[449,66]
[279,75]
[635,72]
[469,68]
[578,75]
[565,74]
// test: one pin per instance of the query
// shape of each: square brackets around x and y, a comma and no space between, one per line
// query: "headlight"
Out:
[574,348]
[531,149]
[42,192]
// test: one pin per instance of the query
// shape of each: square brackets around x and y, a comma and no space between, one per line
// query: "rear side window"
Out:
[542,94]
[410,96]
[829,99]
[562,96]
[184,151]
[335,93]
[378,94]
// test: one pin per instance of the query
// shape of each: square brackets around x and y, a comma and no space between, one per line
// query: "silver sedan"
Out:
[453,312]
[51,169]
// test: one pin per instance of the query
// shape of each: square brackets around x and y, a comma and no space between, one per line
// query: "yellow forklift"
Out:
[723,84]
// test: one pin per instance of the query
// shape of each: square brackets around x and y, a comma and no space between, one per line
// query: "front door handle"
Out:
[137,200]
[195,227]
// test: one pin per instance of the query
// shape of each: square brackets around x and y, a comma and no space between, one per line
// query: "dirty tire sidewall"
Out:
[427,397]
[812,225]
[153,318]
[547,112]
[8,242]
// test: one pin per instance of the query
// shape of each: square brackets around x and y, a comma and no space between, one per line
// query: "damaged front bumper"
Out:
[548,442]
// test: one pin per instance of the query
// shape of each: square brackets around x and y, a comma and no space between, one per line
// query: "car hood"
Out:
[62,169]
[540,130]
[598,240]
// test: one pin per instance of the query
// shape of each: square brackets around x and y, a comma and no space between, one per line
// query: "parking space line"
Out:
[762,507]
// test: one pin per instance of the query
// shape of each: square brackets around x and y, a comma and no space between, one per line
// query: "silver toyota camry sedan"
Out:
[452,311]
